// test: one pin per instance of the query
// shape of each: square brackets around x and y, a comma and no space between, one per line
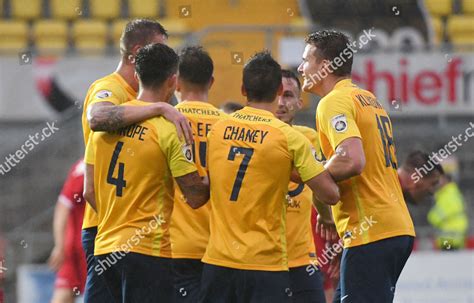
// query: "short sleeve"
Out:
[106,92]
[336,119]
[89,157]
[313,138]
[304,159]
[178,155]
[71,192]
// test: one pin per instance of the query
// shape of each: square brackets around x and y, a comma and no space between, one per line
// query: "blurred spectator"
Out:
[67,256]
[448,214]
[419,176]
[230,107]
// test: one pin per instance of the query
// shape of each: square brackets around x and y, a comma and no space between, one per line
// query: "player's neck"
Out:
[202,96]
[153,96]
[268,106]
[127,72]
[328,85]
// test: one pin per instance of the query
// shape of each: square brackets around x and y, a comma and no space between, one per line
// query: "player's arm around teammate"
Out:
[106,115]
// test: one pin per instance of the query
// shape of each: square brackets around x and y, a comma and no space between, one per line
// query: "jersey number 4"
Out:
[119,182]
[247,152]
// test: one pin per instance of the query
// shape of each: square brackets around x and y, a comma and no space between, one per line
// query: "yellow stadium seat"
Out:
[105,9]
[14,36]
[176,29]
[143,8]
[439,7]
[50,36]
[90,36]
[468,7]
[26,9]
[460,29]
[174,26]
[117,28]
[70,9]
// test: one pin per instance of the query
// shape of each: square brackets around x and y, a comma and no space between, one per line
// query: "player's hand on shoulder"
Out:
[178,119]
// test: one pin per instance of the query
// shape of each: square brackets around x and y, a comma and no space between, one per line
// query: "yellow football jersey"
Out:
[299,235]
[111,88]
[372,205]
[133,174]
[189,227]
[250,159]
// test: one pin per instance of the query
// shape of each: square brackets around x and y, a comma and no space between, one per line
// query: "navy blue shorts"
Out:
[133,277]
[187,279]
[369,273]
[95,290]
[223,285]
[306,285]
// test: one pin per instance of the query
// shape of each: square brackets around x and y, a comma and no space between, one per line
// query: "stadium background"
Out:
[419,61]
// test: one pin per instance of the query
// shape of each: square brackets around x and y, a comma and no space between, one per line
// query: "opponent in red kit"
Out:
[68,256]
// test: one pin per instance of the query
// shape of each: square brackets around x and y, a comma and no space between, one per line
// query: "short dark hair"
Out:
[139,32]
[262,77]
[195,65]
[331,44]
[285,73]
[417,159]
[155,63]
[231,107]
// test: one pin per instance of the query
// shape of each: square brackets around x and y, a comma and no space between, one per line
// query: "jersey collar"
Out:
[260,112]
[199,103]
[342,83]
[125,84]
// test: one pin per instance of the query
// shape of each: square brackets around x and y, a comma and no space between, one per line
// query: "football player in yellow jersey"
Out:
[129,182]
[189,227]
[372,218]
[251,156]
[102,113]
[306,285]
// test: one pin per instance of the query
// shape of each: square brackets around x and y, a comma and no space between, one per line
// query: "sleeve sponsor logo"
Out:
[339,123]
[188,153]
[103,94]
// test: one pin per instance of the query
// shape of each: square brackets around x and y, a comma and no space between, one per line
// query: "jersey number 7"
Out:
[248,152]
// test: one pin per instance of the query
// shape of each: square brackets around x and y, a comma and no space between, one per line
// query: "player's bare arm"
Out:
[105,116]
[325,225]
[61,214]
[324,188]
[295,177]
[194,189]
[348,161]
[89,192]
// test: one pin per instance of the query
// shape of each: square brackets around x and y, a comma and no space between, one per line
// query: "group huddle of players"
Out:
[189,204]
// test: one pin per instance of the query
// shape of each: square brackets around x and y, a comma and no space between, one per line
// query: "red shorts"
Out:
[73,272]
